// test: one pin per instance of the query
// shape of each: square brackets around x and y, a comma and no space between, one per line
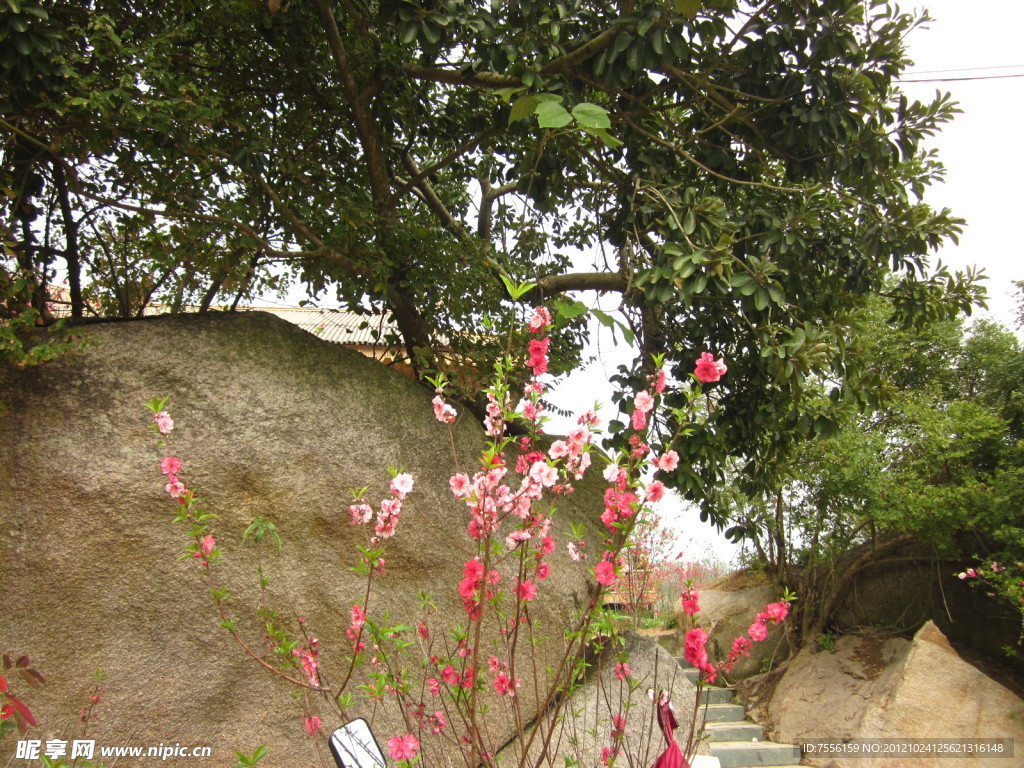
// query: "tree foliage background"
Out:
[744,175]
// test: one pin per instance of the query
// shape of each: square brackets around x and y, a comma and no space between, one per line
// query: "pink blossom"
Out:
[643,401]
[422,629]
[604,572]
[543,474]
[668,462]
[309,663]
[438,721]
[639,420]
[611,473]
[690,602]
[207,545]
[533,388]
[505,685]
[659,381]
[622,670]
[655,491]
[361,513]
[543,571]
[541,319]
[526,590]
[358,616]
[559,449]
[170,466]
[401,485]
[519,535]
[163,422]
[757,631]
[450,675]
[618,726]
[403,747]
[695,648]
[531,411]
[443,412]
[740,647]
[313,725]
[176,488]
[708,369]
[460,485]
[776,612]
[434,685]
[574,552]
[538,351]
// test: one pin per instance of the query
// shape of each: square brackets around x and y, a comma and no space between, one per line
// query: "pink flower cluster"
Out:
[358,619]
[308,657]
[538,351]
[403,747]
[695,651]
[442,411]
[773,612]
[313,725]
[690,602]
[604,571]
[708,369]
[435,722]
[171,467]
[695,644]
[622,670]
[390,512]
[473,587]
[164,423]
[643,403]
[206,546]
[540,320]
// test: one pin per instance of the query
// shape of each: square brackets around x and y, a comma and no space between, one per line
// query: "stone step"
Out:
[691,674]
[716,695]
[723,713]
[742,754]
[733,731]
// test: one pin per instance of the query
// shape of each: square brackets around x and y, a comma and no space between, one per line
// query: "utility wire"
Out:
[958,79]
[962,69]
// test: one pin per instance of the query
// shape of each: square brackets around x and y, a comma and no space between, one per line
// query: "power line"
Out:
[958,79]
[963,69]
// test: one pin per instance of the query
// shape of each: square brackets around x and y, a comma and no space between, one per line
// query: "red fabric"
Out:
[672,757]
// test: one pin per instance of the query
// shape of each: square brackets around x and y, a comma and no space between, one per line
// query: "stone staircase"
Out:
[736,741]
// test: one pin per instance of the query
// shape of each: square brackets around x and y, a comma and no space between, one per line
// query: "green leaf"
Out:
[591,116]
[552,115]
[522,108]
[567,310]
[688,8]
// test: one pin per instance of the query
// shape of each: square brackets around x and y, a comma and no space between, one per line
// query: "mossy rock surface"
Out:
[270,421]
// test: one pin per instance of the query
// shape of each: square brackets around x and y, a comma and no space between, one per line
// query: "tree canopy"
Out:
[939,461]
[743,174]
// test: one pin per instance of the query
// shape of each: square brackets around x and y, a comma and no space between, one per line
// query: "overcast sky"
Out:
[974,51]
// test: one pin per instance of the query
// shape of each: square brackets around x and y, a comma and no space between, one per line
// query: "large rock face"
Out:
[876,686]
[269,421]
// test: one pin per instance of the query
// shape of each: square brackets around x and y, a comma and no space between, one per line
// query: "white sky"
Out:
[980,39]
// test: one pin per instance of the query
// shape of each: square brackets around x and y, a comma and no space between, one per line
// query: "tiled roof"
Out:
[337,325]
